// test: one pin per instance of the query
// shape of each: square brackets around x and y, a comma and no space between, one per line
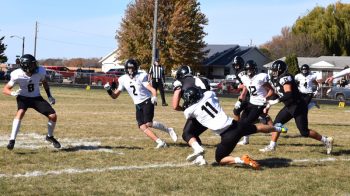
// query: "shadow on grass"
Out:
[26,153]
[184,145]
[275,162]
[83,147]
[341,152]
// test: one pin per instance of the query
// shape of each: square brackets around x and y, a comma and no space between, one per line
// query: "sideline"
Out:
[135,167]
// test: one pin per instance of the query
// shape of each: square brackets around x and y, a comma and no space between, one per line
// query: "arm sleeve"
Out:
[120,84]
[342,73]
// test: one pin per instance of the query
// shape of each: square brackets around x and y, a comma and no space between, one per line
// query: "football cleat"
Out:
[281,128]
[194,155]
[54,142]
[249,161]
[267,148]
[172,134]
[329,144]
[11,144]
[199,161]
[161,144]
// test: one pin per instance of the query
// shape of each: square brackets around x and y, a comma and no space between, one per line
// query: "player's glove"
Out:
[273,102]
[238,104]
[108,88]
[177,84]
[15,93]
[154,100]
[52,100]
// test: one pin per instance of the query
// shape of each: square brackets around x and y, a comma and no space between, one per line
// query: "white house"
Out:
[110,61]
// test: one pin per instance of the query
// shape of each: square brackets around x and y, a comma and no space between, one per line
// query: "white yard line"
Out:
[135,167]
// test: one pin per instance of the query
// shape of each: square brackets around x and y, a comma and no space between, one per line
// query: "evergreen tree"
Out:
[3,58]
[293,65]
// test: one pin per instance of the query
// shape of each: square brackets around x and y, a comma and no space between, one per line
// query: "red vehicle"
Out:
[227,87]
[101,79]
[66,73]
[98,78]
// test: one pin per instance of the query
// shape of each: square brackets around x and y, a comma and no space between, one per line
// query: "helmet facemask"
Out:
[28,64]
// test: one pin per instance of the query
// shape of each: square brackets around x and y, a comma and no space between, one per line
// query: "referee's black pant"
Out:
[158,84]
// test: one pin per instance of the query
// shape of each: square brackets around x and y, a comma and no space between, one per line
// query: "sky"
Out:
[86,28]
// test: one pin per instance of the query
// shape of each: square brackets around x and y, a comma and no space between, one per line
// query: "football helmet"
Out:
[28,63]
[237,63]
[182,72]
[278,68]
[305,69]
[192,95]
[251,68]
[131,67]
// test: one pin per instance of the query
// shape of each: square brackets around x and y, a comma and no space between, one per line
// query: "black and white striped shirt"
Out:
[157,72]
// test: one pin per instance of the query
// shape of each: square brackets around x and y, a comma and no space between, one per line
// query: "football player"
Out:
[192,128]
[29,77]
[294,107]
[206,109]
[144,97]
[344,72]
[305,81]
[238,66]
[258,88]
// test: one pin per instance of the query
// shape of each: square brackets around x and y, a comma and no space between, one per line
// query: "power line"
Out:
[73,43]
[75,31]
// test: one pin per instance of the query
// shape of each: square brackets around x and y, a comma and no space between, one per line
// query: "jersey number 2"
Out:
[134,89]
[205,108]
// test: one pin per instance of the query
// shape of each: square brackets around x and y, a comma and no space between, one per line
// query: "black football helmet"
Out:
[131,63]
[251,68]
[191,96]
[237,63]
[305,69]
[28,63]
[278,68]
[182,72]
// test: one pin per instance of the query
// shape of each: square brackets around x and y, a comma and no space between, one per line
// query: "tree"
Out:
[180,32]
[3,58]
[330,26]
[293,65]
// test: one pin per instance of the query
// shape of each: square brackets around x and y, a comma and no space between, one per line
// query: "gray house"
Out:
[217,64]
[324,66]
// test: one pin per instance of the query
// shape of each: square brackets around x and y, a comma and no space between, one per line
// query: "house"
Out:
[110,61]
[323,66]
[217,64]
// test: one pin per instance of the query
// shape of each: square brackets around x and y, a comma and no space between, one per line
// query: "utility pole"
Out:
[154,41]
[36,37]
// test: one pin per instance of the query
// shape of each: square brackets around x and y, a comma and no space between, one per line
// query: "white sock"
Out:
[159,141]
[15,128]
[160,126]
[238,160]
[246,138]
[273,144]
[324,139]
[196,147]
[50,128]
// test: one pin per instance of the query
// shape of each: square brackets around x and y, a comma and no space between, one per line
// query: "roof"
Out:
[322,62]
[108,55]
[222,55]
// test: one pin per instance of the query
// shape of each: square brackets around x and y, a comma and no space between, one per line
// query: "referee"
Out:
[157,77]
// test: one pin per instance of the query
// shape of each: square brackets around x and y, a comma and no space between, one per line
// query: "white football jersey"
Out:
[136,87]
[305,82]
[255,87]
[209,113]
[29,86]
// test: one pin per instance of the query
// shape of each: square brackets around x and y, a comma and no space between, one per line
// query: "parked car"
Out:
[66,73]
[228,87]
[169,83]
[117,72]
[339,93]
[53,76]
[98,78]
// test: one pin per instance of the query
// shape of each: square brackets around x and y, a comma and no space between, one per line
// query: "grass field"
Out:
[104,153]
